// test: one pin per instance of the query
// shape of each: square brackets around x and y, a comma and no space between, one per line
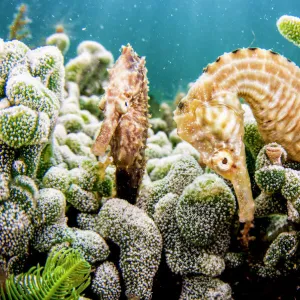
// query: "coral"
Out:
[18,29]
[157,124]
[182,172]
[45,237]
[125,125]
[158,168]
[16,230]
[33,81]
[185,148]
[71,122]
[201,287]
[16,214]
[183,258]
[196,226]
[167,116]
[106,283]
[60,40]
[210,115]
[88,221]
[51,206]
[289,28]
[82,200]
[91,104]
[21,126]
[270,179]
[205,208]
[46,64]
[91,245]
[252,138]
[280,185]
[12,53]
[140,250]
[283,248]
[266,204]
[57,178]
[158,146]
[89,68]
[174,137]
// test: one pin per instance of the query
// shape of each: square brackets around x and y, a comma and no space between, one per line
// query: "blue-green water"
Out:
[178,37]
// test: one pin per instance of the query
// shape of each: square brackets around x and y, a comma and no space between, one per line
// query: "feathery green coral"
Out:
[289,27]
[65,276]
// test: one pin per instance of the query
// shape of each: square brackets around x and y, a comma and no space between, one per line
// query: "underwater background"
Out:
[112,191]
[178,38]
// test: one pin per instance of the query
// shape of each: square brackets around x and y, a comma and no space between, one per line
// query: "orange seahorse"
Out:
[210,117]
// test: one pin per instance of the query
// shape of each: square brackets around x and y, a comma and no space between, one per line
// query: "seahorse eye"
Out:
[222,161]
[225,160]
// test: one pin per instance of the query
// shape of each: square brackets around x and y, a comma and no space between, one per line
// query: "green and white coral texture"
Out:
[56,196]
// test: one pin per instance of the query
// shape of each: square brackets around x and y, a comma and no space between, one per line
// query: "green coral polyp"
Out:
[284,247]
[289,27]
[205,207]
[51,206]
[21,126]
[291,187]
[26,90]
[13,52]
[46,63]
[57,178]
[270,179]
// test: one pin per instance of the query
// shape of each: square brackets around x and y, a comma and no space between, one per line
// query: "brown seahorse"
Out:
[210,117]
[125,124]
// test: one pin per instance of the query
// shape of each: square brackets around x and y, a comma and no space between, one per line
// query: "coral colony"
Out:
[118,205]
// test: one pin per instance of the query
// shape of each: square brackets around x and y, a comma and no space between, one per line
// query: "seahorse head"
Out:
[214,126]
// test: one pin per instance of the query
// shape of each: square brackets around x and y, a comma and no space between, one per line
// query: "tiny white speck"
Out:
[83,29]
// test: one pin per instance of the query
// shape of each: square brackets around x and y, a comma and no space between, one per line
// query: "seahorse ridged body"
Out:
[210,117]
[125,125]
